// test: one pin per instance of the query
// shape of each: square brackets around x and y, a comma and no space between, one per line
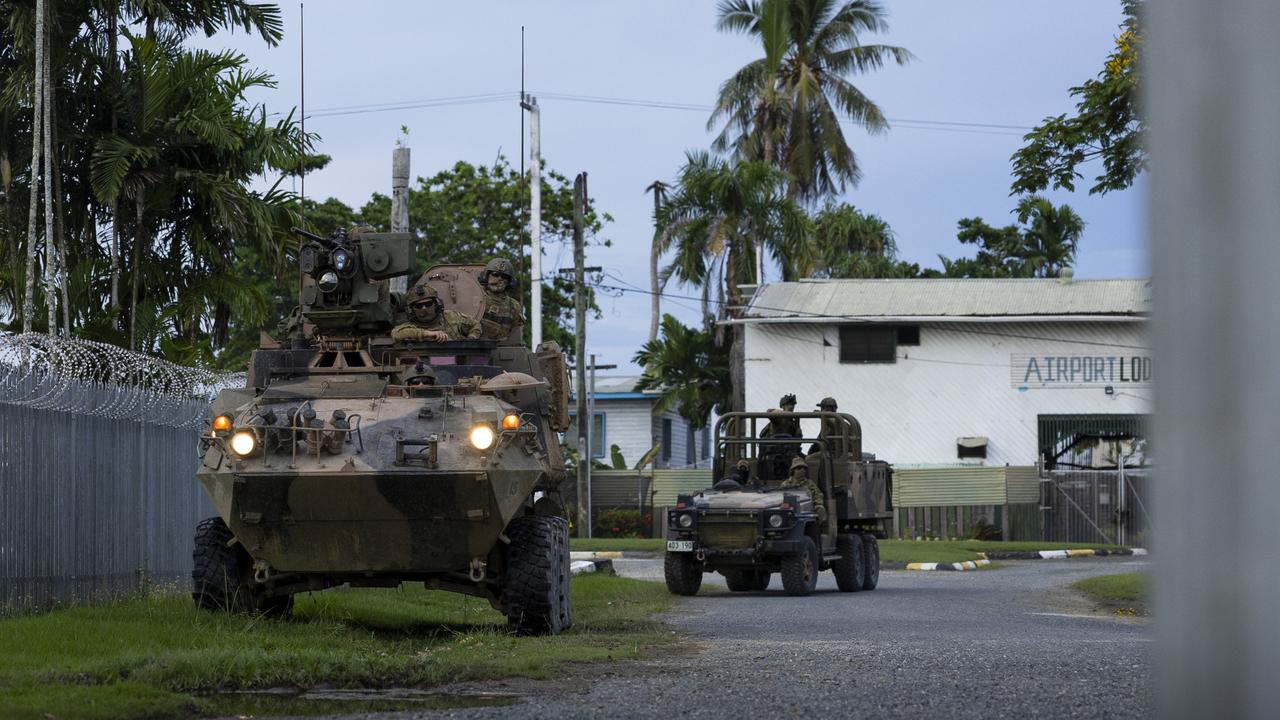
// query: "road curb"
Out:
[602,565]
[1060,554]
[956,566]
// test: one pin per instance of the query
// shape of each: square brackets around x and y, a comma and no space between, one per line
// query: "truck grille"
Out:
[728,536]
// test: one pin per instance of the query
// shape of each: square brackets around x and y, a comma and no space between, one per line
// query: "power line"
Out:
[905,123]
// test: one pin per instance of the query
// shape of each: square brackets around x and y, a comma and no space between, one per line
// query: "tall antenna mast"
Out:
[302,72]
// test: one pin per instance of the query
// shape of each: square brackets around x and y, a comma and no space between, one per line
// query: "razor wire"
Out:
[101,380]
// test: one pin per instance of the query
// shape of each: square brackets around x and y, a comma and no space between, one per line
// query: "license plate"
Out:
[679,546]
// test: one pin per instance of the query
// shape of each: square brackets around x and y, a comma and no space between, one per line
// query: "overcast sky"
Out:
[990,63]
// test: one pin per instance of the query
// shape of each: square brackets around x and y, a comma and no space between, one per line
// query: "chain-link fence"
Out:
[97,461]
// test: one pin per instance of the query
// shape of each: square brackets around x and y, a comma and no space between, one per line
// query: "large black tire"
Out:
[535,591]
[739,580]
[760,581]
[849,569]
[682,572]
[870,562]
[222,575]
[800,571]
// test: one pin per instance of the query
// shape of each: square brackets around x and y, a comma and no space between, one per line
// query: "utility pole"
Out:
[400,204]
[591,426]
[659,189]
[530,103]
[580,344]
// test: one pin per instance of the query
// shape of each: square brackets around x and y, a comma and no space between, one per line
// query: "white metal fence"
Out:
[97,460]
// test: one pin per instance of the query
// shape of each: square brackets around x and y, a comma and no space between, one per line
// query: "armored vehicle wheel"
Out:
[739,580]
[870,562]
[221,575]
[760,581]
[682,572]
[800,571]
[850,569]
[536,589]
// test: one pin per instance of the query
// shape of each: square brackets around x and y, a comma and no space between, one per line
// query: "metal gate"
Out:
[1097,506]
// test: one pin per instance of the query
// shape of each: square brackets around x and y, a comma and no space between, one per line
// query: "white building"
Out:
[946,372]
[624,417]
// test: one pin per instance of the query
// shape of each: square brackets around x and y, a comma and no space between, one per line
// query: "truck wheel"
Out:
[535,591]
[800,571]
[850,568]
[739,580]
[870,562]
[221,575]
[683,574]
[761,580]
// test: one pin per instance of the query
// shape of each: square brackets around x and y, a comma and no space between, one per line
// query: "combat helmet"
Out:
[828,404]
[421,293]
[798,462]
[499,266]
[788,399]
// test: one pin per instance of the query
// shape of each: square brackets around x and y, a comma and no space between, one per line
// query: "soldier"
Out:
[431,322]
[799,478]
[783,426]
[502,315]
[830,427]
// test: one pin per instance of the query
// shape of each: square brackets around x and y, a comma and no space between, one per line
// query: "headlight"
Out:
[328,282]
[341,259]
[482,437]
[243,442]
[775,520]
[685,520]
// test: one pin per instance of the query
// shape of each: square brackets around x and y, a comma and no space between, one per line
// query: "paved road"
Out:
[1012,642]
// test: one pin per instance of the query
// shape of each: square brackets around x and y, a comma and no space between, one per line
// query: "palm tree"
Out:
[786,107]
[720,221]
[688,368]
[659,190]
[1051,237]
[852,243]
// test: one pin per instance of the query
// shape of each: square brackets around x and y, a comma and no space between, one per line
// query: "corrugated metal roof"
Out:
[871,299]
[619,384]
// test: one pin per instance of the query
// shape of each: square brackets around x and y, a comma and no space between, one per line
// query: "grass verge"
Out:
[152,658]
[1123,589]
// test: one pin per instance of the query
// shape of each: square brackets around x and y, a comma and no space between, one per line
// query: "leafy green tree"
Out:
[1043,246]
[786,108]
[688,368]
[1108,124]
[854,244]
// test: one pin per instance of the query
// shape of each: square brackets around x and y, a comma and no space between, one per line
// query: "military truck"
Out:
[748,527]
[352,459]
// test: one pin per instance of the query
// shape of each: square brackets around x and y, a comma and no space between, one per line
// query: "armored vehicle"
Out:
[749,526]
[350,458]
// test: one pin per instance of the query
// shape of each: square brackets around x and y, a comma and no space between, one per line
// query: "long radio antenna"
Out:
[302,72]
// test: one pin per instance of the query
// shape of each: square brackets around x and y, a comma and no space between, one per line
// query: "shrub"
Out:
[621,523]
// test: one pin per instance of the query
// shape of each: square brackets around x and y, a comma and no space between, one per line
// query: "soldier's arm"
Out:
[469,326]
[405,331]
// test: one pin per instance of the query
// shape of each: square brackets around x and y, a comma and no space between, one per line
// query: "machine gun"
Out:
[342,279]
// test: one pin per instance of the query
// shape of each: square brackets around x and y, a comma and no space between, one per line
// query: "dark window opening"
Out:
[666,439]
[908,334]
[868,344]
[690,447]
[706,443]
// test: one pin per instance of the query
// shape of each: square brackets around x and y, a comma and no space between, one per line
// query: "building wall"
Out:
[627,425]
[959,381]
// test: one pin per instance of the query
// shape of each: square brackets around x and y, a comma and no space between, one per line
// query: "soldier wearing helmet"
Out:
[502,316]
[430,322]
[830,431]
[799,478]
[788,426]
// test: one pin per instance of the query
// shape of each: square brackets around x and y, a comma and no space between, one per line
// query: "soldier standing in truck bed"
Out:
[502,316]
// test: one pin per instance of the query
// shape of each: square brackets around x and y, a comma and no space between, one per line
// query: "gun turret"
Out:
[342,278]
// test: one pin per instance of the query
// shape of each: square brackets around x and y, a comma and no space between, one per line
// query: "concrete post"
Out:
[1214,107]
[400,203]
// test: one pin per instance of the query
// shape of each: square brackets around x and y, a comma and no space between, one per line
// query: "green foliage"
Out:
[1042,246]
[1123,587]
[688,368]
[1108,124]
[854,244]
[786,107]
